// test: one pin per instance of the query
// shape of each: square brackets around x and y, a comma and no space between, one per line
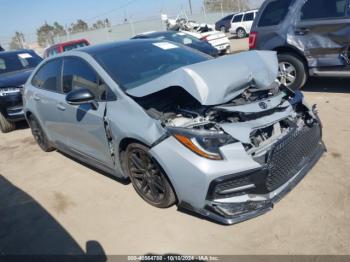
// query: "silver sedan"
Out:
[219,137]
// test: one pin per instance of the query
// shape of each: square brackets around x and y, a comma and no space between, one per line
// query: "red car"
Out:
[66,46]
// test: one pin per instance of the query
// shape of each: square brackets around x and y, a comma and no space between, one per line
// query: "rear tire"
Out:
[5,125]
[292,71]
[147,177]
[39,135]
[241,33]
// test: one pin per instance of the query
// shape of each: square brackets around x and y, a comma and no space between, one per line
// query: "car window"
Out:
[48,76]
[248,17]
[11,62]
[2,64]
[229,17]
[78,74]
[274,12]
[74,46]
[182,38]
[53,51]
[320,9]
[237,18]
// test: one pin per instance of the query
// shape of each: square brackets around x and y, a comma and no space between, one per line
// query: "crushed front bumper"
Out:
[209,188]
[287,164]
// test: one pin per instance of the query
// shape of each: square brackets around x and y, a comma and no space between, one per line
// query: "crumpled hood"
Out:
[220,80]
[15,79]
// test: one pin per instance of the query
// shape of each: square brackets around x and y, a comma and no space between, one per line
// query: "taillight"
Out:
[253,40]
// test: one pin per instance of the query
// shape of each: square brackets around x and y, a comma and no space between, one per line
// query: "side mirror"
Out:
[81,96]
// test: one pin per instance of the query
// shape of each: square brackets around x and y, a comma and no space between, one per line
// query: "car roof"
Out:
[17,51]
[248,11]
[67,43]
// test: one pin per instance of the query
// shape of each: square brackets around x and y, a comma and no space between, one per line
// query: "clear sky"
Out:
[27,15]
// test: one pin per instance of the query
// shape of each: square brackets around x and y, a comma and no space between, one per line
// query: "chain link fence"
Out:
[130,29]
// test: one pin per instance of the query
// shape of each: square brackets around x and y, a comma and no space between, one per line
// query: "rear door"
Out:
[324,30]
[248,19]
[45,97]
[84,125]
[236,22]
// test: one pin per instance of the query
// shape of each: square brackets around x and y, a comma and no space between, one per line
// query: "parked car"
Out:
[15,68]
[181,38]
[65,46]
[224,24]
[215,136]
[216,38]
[242,23]
[311,38]
[205,32]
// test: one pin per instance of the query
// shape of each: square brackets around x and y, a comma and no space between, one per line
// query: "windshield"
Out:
[140,62]
[74,46]
[181,38]
[18,61]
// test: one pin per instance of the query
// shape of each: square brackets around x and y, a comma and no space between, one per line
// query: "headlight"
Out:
[9,91]
[201,142]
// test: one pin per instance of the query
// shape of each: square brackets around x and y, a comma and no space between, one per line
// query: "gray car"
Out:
[311,37]
[218,137]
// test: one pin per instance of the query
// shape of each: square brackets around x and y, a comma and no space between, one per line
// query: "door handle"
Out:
[302,31]
[36,98]
[61,107]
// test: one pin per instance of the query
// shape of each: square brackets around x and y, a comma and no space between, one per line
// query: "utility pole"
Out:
[190,4]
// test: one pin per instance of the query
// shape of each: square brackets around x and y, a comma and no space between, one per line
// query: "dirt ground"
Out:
[50,203]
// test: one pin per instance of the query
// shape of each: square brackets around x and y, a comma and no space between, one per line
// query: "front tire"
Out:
[147,177]
[5,125]
[39,135]
[292,71]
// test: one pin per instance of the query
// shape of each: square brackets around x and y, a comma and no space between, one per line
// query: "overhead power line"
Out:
[112,10]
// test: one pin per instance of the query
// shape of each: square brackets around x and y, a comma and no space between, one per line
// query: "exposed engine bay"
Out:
[256,118]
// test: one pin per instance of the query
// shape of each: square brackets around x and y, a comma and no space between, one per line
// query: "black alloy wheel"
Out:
[147,177]
[39,135]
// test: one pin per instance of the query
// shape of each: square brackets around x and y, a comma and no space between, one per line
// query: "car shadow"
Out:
[329,85]
[26,228]
[22,125]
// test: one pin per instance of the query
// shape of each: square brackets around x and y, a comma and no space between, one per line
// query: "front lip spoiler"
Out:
[209,211]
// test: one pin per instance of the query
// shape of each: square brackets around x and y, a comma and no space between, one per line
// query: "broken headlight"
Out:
[204,143]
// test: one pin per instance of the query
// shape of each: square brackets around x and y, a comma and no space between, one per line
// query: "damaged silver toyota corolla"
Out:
[219,137]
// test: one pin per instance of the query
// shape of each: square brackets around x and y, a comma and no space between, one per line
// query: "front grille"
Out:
[289,155]
[286,158]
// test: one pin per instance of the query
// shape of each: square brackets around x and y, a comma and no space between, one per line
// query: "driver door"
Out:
[84,124]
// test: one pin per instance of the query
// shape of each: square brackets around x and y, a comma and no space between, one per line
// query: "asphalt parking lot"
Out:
[49,203]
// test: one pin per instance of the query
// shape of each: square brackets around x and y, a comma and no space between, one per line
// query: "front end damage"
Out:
[232,161]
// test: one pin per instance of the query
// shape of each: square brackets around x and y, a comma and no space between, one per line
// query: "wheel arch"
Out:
[124,143]
[294,51]
[241,27]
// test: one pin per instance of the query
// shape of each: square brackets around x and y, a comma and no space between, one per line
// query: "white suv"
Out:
[242,23]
